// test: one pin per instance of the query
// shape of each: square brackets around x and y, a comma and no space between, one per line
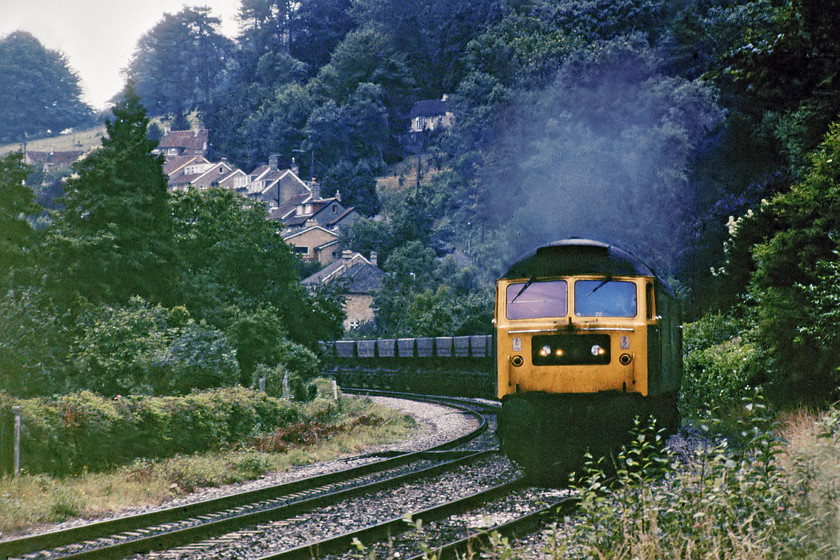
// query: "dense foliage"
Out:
[67,434]
[130,290]
[658,126]
[40,93]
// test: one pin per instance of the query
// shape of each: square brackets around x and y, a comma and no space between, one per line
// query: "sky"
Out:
[99,36]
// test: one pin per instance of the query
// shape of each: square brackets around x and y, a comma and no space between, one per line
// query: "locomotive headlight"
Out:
[545,351]
[559,352]
[597,350]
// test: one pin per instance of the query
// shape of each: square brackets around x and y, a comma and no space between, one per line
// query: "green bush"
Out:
[719,502]
[720,363]
[141,349]
[71,433]
[32,344]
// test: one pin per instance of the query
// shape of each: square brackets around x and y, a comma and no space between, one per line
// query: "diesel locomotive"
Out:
[587,339]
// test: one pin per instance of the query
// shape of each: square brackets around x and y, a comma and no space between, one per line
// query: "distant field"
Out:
[400,179]
[88,138]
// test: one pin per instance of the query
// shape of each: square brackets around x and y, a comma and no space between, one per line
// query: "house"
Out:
[183,143]
[363,278]
[314,243]
[278,188]
[182,170]
[214,175]
[430,115]
[314,210]
[48,160]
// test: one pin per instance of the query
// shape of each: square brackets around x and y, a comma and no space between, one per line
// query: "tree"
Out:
[351,141]
[234,264]
[787,71]
[40,93]
[143,349]
[433,34]
[17,207]
[113,238]
[318,26]
[178,62]
[602,152]
[794,281]
[266,28]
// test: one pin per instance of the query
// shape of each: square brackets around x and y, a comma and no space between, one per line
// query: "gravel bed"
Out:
[436,424]
[437,533]
[350,514]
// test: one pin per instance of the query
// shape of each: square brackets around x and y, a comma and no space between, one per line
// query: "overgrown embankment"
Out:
[83,455]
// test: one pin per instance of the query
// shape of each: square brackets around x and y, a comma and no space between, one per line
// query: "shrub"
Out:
[717,503]
[32,344]
[141,349]
[720,363]
[84,431]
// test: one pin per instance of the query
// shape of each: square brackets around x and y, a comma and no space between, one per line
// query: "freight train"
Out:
[587,339]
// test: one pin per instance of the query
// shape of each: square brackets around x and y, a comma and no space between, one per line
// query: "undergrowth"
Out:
[751,496]
[331,429]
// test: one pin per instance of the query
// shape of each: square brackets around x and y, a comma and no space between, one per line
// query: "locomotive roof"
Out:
[578,256]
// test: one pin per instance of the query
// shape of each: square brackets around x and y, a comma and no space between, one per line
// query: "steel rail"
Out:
[120,527]
[392,526]
[481,540]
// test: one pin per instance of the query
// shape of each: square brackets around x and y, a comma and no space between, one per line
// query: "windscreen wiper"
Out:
[523,288]
[599,286]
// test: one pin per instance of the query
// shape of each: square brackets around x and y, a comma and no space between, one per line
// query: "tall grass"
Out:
[29,500]
[772,491]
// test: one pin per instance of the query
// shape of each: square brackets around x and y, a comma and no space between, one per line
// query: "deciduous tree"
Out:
[178,62]
[40,91]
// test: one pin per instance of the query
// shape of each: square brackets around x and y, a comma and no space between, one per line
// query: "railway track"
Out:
[224,525]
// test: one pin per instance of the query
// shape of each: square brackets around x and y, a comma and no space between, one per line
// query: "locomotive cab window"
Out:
[605,298]
[534,300]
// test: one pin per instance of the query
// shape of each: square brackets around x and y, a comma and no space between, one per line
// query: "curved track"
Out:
[179,525]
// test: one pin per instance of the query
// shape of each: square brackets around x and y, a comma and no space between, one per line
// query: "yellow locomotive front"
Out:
[587,339]
[575,334]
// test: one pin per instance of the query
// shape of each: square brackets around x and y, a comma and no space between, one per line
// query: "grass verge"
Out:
[27,501]
[772,493]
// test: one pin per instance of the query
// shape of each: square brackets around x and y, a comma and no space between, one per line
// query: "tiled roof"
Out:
[193,140]
[341,216]
[174,163]
[212,175]
[363,276]
[53,158]
[428,108]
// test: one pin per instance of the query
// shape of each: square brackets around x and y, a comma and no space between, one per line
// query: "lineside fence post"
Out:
[16,412]
[7,439]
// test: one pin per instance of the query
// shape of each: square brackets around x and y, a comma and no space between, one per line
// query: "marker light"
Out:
[545,351]
[559,352]
[597,350]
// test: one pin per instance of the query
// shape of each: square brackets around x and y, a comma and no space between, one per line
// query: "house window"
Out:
[335,208]
[301,250]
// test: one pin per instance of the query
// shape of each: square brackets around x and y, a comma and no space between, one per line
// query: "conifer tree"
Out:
[113,238]
[17,203]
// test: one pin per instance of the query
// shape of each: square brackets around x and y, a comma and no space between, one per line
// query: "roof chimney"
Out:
[295,167]
[315,189]
[347,255]
[374,258]
[273,161]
